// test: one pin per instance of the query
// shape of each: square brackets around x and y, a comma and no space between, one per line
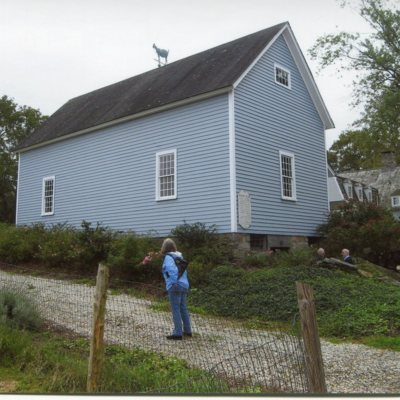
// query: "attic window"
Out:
[282,76]
[359,192]
[349,190]
[368,193]
[395,201]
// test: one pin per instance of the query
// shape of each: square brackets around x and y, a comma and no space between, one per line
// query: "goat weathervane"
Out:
[161,53]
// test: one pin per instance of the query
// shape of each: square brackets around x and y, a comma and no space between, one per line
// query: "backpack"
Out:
[180,263]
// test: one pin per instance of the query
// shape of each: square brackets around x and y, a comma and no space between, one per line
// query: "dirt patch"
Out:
[8,386]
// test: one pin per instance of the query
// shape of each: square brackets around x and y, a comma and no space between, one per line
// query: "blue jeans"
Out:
[178,300]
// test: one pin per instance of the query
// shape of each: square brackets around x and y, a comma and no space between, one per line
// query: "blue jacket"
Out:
[170,272]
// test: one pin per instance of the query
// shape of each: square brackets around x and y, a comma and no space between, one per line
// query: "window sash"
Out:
[282,76]
[48,195]
[166,175]
[288,188]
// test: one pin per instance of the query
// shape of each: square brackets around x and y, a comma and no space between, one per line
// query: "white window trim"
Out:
[349,190]
[276,65]
[359,188]
[368,194]
[396,205]
[158,154]
[291,155]
[45,179]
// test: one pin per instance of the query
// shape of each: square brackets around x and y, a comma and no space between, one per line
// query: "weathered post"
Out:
[97,342]
[309,329]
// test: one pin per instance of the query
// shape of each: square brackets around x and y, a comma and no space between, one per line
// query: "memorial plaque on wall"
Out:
[244,206]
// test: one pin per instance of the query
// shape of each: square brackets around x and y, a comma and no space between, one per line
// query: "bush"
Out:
[60,247]
[347,305]
[20,244]
[368,230]
[94,243]
[126,254]
[17,310]
[203,244]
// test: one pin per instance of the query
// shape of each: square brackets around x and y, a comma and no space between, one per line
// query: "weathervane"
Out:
[161,53]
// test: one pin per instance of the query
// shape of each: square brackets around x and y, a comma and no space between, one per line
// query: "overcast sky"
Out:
[54,50]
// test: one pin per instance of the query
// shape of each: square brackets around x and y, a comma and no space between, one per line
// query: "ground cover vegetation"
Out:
[39,361]
[258,287]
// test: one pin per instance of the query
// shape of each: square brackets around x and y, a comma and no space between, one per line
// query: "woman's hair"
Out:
[168,246]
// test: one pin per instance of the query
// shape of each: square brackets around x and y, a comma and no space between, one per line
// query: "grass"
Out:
[44,363]
[348,306]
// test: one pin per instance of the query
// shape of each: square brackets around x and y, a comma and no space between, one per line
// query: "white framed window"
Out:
[395,201]
[166,175]
[48,190]
[288,178]
[282,76]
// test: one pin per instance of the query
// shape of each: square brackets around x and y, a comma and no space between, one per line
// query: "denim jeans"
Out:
[178,300]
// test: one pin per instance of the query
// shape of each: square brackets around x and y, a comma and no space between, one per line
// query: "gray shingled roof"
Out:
[386,180]
[208,71]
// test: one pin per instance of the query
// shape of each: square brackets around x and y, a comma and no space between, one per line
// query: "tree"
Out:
[355,150]
[376,58]
[16,123]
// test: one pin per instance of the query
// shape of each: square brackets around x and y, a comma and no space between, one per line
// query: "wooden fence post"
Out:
[309,329]
[96,343]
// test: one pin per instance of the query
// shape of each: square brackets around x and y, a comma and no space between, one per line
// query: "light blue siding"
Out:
[270,118]
[109,176]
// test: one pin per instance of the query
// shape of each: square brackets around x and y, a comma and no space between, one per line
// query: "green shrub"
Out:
[126,254]
[368,230]
[203,244]
[20,244]
[15,346]
[258,260]
[198,273]
[94,243]
[347,305]
[18,310]
[60,247]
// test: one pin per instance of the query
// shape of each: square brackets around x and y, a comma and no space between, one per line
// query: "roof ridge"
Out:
[167,66]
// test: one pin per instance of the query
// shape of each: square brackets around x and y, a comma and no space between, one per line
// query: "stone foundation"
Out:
[245,242]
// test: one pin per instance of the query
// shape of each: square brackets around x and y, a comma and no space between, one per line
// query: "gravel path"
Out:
[221,346]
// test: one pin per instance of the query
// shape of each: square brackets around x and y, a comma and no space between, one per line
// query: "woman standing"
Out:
[177,288]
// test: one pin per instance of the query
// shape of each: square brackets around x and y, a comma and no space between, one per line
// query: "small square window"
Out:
[396,201]
[282,76]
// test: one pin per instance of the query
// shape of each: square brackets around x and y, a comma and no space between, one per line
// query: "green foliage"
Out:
[18,245]
[94,243]
[126,254]
[376,58]
[58,365]
[355,150]
[370,231]
[59,247]
[347,305]
[16,123]
[198,273]
[203,244]
[18,310]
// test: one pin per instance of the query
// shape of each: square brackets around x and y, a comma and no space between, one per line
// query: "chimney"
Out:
[388,159]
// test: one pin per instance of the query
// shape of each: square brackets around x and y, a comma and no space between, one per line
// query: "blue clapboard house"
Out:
[232,136]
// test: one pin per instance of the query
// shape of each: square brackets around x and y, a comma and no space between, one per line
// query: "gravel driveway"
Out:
[271,359]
